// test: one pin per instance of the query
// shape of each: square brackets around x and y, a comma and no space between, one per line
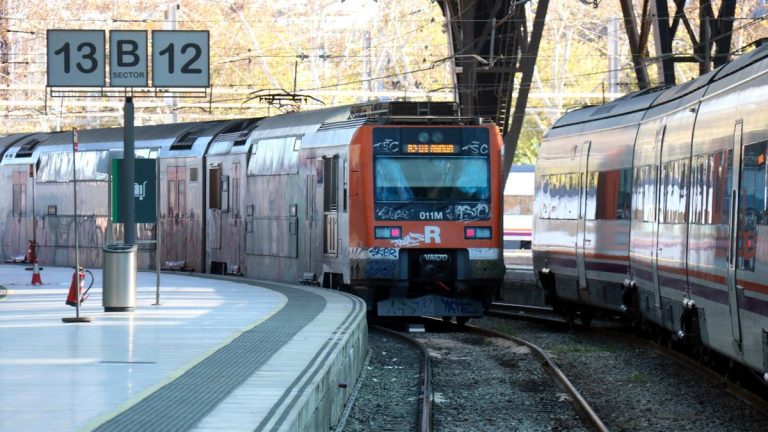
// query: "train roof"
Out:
[180,139]
[658,100]
[298,123]
[633,103]
[233,137]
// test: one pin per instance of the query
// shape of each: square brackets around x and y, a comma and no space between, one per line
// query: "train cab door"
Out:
[581,240]
[656,246]
[734,166]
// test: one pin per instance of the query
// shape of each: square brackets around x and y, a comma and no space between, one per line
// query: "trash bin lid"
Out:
[119,248]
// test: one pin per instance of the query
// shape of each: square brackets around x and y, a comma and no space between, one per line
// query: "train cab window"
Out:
[752,206]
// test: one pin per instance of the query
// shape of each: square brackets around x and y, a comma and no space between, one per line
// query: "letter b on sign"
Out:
[128,58]
[126,53]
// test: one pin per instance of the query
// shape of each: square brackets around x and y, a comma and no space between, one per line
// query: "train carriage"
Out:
[398,202]
[16,225]
[695,235]
[226,164]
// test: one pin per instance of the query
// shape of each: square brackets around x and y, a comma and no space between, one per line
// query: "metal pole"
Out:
[158,232]
[77,233]
[129,174]
[77,317]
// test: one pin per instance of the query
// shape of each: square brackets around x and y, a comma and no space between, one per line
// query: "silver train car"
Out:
[655,206]
[329,197]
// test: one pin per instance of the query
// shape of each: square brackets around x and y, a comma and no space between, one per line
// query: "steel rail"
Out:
[581,404]
[520,312]
[746,396]
[425,423]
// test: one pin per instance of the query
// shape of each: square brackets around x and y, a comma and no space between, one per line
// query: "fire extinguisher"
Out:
[73,287]
[32,248]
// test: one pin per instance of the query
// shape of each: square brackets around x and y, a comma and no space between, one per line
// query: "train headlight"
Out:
[387,232]
[477,232]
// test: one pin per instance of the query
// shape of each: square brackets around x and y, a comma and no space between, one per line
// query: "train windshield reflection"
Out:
[432,179]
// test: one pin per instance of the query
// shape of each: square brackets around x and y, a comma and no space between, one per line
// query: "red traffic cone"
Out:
[73,294]
[36,280]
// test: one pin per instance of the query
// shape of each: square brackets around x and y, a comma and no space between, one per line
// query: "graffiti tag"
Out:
[475,147]
[471,212]
[387,146]
[382,253]
[390,213]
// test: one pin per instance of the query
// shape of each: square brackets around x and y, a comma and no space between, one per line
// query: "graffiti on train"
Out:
[380,268]
[387,146]
[431,235]
[475,147]
[382,253]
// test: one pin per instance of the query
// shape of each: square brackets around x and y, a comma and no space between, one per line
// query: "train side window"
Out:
[644,193]
[346,186]
[225,193]
[543,197]
[614,189]
[591,195]
[16,199]
[673,192]
[752,205]
[571,196]
[172,194]
[182,198]
[214,188]
[721,186]
[331,176]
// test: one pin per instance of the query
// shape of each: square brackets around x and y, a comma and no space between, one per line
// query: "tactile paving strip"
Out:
[182,403]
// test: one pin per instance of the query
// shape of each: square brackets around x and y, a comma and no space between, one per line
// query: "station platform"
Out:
[216,354]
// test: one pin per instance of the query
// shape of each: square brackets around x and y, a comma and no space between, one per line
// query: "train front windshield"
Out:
[432,173]
[430,178]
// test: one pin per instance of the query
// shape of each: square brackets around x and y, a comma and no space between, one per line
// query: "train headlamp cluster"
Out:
[387,232]
[477,232]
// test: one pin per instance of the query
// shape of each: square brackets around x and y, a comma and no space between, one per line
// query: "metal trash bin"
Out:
[119,278]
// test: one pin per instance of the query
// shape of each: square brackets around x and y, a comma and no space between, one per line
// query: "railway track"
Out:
[546,362]
[425,413]
[614,335]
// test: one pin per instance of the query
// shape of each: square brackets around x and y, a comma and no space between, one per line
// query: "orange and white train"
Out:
[398,202]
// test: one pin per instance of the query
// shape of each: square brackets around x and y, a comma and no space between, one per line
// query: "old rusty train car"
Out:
[654,206]
[398,202]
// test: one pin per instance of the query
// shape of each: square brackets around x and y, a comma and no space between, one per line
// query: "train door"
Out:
[734,168]
[20,234]
[656,245]
[581,241]
[177,202]
[331,204]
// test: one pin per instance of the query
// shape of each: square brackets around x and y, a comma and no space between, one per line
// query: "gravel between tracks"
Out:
[479,384]
[633,388]
[389,397]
